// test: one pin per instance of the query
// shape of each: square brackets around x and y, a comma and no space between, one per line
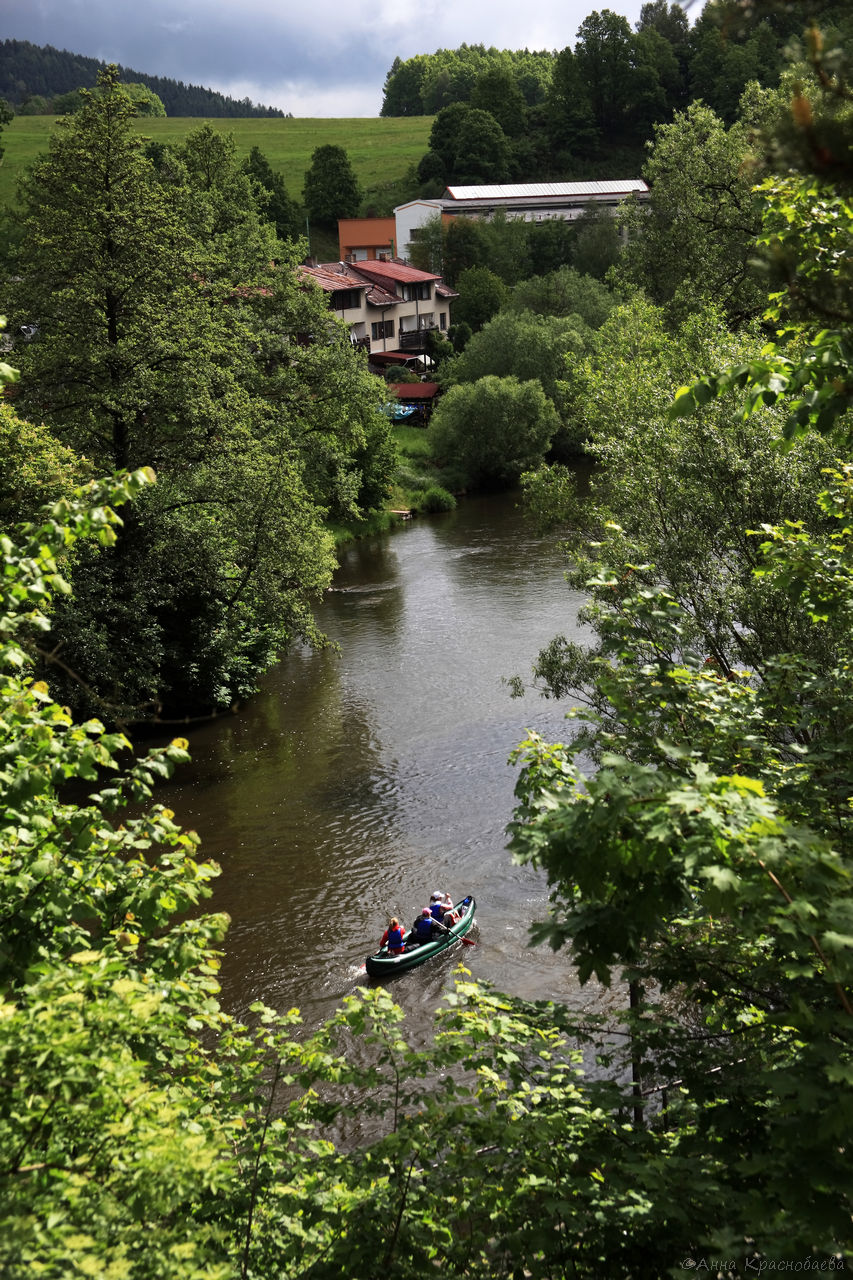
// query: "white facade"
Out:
[411,217]
[530,201]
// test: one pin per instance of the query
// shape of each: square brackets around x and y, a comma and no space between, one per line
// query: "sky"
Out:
[309,57]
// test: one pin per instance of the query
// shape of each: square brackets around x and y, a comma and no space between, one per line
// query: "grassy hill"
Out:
[380,150]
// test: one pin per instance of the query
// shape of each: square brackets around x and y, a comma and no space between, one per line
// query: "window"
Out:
[383,329]
[442,319]
[411,292]
[343,299]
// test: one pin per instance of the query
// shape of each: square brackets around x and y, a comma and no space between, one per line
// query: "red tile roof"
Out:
[414,390]
[395,270]
[332,276]
[379,297]
[377,278]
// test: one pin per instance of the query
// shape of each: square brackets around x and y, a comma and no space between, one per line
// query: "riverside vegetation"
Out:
[694,825]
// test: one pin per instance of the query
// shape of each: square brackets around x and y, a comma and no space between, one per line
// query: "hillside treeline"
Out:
[588,109]
[31,76]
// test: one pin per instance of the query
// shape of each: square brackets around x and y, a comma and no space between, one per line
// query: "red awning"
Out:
[414,390]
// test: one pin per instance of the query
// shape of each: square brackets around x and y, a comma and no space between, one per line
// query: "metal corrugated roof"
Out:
[553,190]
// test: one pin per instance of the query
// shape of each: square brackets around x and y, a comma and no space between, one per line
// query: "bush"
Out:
[435,498]
[400,373]
[491,430]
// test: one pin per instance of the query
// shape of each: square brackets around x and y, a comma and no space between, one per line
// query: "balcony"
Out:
[415,339]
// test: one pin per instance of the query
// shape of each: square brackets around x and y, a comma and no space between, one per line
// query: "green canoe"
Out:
[381,965]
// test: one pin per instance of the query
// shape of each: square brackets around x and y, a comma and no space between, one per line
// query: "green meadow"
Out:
[379,150]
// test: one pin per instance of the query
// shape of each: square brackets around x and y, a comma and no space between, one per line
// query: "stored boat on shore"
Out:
[383,965]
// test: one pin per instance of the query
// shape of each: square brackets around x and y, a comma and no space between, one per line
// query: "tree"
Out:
[694,239]
[496,91]
[470,145]
[604,58]
[722,65]
[598,242]
[464,247]
[330,190]
[401,95]
[668,19]
[506,244]
[570,119]
[283,212]
[66,104]
[530,348]
[493,429]
[518,343]
[708,860]
[222,207]
[564,293]
[444,134]
[34,468]
[36,105]
[147,1134]
[6,116]
[682,495]
[144,99]
[482,153]
[481,295]
[550,245]
[166,336]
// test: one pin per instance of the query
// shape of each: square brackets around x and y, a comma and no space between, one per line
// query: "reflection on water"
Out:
[364,777]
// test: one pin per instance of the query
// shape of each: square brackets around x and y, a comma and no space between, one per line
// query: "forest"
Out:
[589,109]
[35,78]
[185,424]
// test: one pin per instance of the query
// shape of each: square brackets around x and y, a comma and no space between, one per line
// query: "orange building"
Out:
[363,239]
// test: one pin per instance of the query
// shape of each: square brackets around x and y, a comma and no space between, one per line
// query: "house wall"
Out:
[368,321]
[365,238]
[410,217]
[532,208]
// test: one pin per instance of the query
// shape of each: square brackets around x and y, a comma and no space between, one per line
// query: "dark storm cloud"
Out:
[201,42]
[319,51]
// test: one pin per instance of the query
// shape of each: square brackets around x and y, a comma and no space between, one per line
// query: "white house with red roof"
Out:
[389,306]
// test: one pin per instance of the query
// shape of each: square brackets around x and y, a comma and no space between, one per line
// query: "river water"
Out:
[361,779]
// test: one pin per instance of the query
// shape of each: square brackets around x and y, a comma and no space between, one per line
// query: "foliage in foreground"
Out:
[709,860]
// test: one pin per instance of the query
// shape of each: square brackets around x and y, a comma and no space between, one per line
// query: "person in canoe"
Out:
[450,915]
[426,927]
[441,906]
[392,938]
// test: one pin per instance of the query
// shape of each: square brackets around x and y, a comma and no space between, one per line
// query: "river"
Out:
[362,778]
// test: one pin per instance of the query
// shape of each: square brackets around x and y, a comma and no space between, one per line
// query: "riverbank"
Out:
[419,486]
